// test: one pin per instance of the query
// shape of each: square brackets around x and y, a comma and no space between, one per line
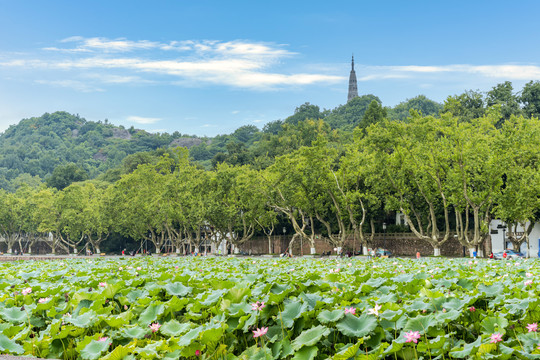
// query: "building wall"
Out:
[401,244]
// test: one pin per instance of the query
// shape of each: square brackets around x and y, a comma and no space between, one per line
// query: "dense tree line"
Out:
[335,174]
[445,174]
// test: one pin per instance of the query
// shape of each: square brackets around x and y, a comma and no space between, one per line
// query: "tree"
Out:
[304,112]
[410,169]
[348,116]
[374,114]
[235,201]
[518,202]
[502,95]
[143,213]
[530,98]
[420,103]
[64,175]
[467,106]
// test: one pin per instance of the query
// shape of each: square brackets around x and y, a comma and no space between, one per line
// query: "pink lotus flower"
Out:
[139,268]
[120,268]
[125,307]
[528,282]
[412,336]
[350,310]
[154,327]
[529,275]
[102,284]
[375,310]
[104,338]
[532,327]
[197,352]
[260,332]
[472,309]
[26,291]
[43,300]
[257,306]
[495,338]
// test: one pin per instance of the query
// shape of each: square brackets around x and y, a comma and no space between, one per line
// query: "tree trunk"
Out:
[436,251]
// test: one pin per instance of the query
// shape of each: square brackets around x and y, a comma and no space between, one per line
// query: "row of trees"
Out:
[445,175]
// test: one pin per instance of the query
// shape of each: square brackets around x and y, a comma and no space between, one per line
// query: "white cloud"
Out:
[71,84]
[503,71]
[142,120]
[238,63]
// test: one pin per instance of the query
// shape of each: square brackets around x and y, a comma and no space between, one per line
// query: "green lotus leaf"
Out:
[68,331]
[491,290]
[178,289]
[327,316]
[292,311]
[190,336]
[468,349]
[14,315]
[112,289]
[492,324]
[135,295]
[256,353]
[151,313]
[313,301]
[119,353]
[211,334]
[175,355]
[359,326]
[236,295]
[174,328]
[116,321]
[85,320]
[213,297]
[420,323]
[391,315]
[10,346]
[236,309]
[306,353]
[348,352]
[310,337]
[136,332]
[94,349]
[152,350]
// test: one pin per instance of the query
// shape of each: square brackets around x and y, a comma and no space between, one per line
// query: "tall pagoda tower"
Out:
[353,89]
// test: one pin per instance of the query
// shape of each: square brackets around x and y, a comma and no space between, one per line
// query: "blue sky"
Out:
[209,67]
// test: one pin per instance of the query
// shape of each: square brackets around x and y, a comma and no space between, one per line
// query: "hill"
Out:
[33,148]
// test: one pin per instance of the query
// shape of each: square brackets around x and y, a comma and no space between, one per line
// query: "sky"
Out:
[208,67]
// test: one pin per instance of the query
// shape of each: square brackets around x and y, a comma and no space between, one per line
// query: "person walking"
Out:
[418,255]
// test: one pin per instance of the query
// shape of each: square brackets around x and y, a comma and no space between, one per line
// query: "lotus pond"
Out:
[253,308]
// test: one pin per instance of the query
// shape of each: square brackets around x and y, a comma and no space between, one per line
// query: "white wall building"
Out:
[498,244]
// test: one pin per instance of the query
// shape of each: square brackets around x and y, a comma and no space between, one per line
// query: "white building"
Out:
[499,232]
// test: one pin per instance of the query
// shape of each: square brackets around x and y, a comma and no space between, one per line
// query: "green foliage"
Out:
[64,175]
[419,103]
[455,321]
[36,146]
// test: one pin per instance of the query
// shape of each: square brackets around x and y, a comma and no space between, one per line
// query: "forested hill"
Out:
[61,148]
[32,149]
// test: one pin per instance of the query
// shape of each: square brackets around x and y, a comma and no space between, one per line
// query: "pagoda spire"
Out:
[353,89]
